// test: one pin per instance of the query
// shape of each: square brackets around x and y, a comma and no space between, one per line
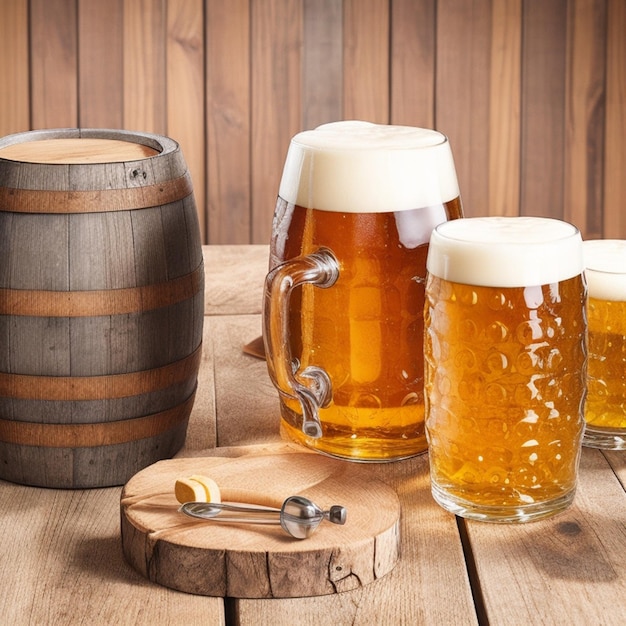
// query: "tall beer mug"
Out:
[344,297]
[505,352]
[605,408]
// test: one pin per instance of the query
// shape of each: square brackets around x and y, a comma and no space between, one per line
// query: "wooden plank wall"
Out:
[532,93]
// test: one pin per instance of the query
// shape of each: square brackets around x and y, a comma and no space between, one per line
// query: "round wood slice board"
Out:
[253,560]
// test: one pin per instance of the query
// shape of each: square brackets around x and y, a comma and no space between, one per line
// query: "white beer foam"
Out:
[505,251]
[605,262]
[360,167]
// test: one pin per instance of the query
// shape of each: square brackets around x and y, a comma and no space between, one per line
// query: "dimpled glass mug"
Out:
[505,353]
[344,297]
[605,408]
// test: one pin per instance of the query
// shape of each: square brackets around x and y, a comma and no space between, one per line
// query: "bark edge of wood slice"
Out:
[258,561]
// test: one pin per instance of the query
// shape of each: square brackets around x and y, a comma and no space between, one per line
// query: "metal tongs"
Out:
[298,516]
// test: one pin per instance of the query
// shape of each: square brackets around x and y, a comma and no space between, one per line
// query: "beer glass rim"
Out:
[489,251]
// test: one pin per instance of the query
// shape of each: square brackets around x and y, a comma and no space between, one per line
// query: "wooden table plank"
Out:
[429,584]
[569,569]
[202,428]
[234,278]
[247,406]
[617,460]
[62,564]
[64,547]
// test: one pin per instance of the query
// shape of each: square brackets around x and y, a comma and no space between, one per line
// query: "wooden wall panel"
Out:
[322,62]
[543,108]
[228,121]
[144,65]
[54,63]
[584,115]
[185,90]
[101,64]
[14,64]
[504,126]
[276,33]
[366,60]
[412,79]
[462,94]
[615,133]
[531,93]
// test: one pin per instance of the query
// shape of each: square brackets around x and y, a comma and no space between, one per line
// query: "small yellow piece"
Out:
[211,489]
[197,489]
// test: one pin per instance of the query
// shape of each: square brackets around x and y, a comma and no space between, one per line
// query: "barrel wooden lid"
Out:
[76,150]
[259,561]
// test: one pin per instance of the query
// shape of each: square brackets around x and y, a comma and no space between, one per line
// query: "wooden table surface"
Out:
[60,552]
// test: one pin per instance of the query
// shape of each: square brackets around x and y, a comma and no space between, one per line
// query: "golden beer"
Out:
[605,407]
[371,195]
[505,366]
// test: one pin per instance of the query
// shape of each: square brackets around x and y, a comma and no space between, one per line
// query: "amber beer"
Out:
[605,407]
[370,196]
[505,359]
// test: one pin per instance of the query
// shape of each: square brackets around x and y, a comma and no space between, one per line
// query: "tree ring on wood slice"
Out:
[259,561]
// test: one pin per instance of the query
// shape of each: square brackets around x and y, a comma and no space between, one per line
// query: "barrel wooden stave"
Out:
[87,467]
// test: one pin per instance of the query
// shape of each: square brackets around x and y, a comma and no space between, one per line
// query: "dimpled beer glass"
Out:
[605,407]
[344,296]
[505,354]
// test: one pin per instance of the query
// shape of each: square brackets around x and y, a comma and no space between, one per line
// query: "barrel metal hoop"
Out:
[112,386]
[98,302]
[94,434]
[61,202]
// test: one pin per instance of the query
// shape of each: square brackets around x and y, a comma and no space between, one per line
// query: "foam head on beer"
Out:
[505,251]
[361,167]
[606,261]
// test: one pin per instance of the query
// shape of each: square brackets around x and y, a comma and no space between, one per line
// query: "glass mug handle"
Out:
[311,386]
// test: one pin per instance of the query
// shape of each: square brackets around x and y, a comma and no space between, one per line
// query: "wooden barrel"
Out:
[101,305]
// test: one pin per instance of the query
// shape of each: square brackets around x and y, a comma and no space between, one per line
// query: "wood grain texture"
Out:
[101,65]
[543,108]
[228,113]
[504,108]
[366,60]
[14,67]
[462,101]
[416,592]
[322,62]
[185,89]
[251,561]
[576,555]
[244,389]
[144,74]
[82,576]
[276,30]
[234,280]
[585,115]
[54,64]
[615,130]
[413,56]
[530,93]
